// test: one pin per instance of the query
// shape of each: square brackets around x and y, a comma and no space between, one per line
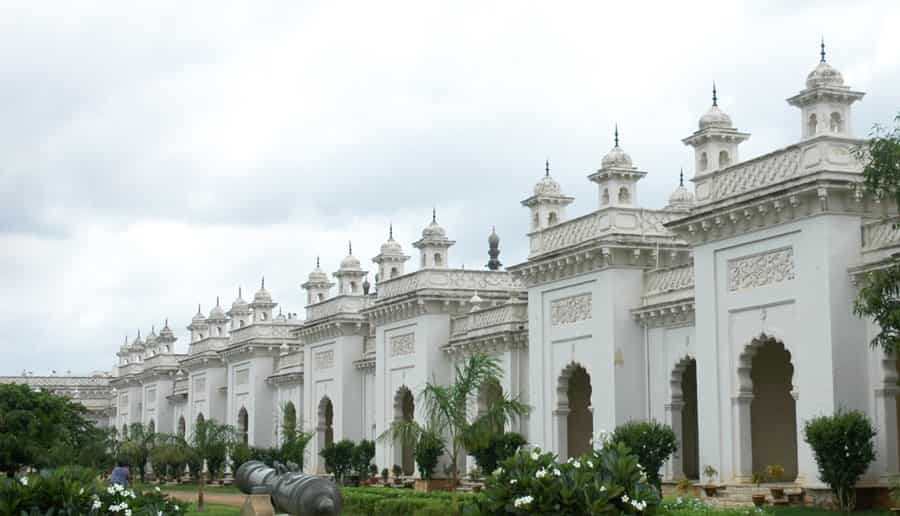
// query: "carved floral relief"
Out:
[761,269]
[569,310]
[403,344]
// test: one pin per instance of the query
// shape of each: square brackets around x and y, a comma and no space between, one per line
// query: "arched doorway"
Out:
[124,432]
[325,427]
[151,427]
[404,410]
[575,418]
[773,415]
[182,427]
[682,416]
[243,425]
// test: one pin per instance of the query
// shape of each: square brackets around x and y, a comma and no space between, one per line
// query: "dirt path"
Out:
[234,499]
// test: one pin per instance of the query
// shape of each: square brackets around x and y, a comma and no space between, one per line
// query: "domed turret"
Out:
[716,141]
[350,262]
[548,204]
[217,313]
[681,198]
[433,245]
[198,326]
[825,102]
[350,275]
[239,312]
[715,117]
[391,259]
[317,286]
[262,304]
[262,295]
[617,178]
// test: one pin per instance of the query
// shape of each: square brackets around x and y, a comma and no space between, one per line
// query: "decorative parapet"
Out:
[446,279]
[880,234]
[208,344]
[635,222]
[180,386]
[162,360]
[815,155]
[368,345]
[510,316]
[336,305]
[269,330]
[294,359]
[663,285]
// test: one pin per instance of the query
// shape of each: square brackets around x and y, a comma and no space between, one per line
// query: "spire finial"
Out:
[152,328]
[198,309]
[239,292]
[139,334]
[391,231]
[317,262]
[217,301]
[681,177]
[822,52]
[547,167]
[262,283]
[434,215]
[616,139]
[167,322]
[715,97]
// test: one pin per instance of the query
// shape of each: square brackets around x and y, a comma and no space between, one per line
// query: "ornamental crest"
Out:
[403,344]
[761,269]
[324,359]
[570,310]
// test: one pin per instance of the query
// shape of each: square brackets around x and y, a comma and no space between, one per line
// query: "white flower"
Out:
[625,498]
[24,481]
[159,513]
[512,481]
[556,471]
[498,471]
[535,455]
[576,464]
[602,489]
[81,491]
[110,489]
[96,505]
[523,501]
[541,473]
[157,489]
[590,464]
[127,512]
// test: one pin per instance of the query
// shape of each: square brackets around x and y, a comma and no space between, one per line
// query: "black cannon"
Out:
[294,493]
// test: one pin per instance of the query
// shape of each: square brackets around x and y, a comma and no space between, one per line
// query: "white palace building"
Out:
[727,315]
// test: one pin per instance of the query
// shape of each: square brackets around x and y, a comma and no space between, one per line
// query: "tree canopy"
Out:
[34,423]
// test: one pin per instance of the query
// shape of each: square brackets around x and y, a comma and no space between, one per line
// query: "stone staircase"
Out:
[741,495]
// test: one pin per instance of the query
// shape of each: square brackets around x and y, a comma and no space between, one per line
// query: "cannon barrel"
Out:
[296,494]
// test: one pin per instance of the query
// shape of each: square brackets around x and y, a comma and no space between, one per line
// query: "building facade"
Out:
[726,314]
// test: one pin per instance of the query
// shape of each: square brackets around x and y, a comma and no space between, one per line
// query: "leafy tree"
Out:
[34,424]
[652,442]
[210,443]
[338,458]
[363,453]
[446,410]
[428,451]
[137,447]
[879,295]
[498,448]
[843,447]
[294,442]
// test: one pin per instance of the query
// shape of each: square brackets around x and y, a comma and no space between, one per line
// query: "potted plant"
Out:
[384,476]
[397,471]
[429,449]
[759,499]
[684,486]
[775,472]
[710,473]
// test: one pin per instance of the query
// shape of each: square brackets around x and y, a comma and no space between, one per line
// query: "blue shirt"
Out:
[119,475]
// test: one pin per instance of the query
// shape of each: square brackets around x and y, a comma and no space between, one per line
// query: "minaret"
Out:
[198,326]
[217,321]
[434,245]
[350,275]
[548,204]
[825,102]
[494,251]
[317,287]
[681,198]
[166,339]
[617,178]
[391,259]
[240,312]
[262,304]
[716,142]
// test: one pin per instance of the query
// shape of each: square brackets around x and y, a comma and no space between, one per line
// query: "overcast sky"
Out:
[153,158]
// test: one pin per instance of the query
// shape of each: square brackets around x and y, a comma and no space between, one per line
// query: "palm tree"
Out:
[446,409]
[210,442]
[138,445]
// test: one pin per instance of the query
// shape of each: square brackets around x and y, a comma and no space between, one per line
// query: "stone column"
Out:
[561,416]
[742,438]
[886,440]
[674,467]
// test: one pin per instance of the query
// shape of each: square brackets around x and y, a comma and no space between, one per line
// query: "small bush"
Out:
[498,448]
[363,453]
[652,442]
[338,458]
[429,449]
[602,481]
[843,447]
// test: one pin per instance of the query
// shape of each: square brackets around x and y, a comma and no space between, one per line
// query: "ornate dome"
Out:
[715,117]
[262,295]
[318,276]
[433,230]
[616,158]
[391,247]
[166,332]
[198,317]
[546,186]
[239,305]
[217,313]
[681,197]
[824,75]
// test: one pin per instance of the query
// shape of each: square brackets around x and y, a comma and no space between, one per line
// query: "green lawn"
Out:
[192,488]
[811,511]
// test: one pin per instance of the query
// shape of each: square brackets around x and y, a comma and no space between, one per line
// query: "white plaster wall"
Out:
[256,396]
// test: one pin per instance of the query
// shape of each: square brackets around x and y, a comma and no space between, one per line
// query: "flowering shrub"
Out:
[690,506]
[76,491]
[652,442]
[607,480]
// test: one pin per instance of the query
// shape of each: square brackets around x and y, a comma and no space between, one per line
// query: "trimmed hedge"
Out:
[382,501]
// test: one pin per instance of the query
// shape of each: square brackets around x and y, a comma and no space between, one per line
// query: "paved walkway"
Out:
[234,499]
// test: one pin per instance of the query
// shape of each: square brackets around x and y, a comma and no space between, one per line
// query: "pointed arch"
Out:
[404,410]
[325,426]
[574,413]
[243,425]
[682,415]
[182,427]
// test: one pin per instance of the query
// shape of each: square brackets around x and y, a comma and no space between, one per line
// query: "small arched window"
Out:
[837,124]
[124,431]
[624,196]
[437,259]
[320,297]
[812,126]
[243,425]
[605,198]
[241,323]
[353,287]
[262,316]
[536,223]
[724,159]
[181,427]
[219,331]
[151,427]
[551,219]
[704,161]
[201,335]
[394,272]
